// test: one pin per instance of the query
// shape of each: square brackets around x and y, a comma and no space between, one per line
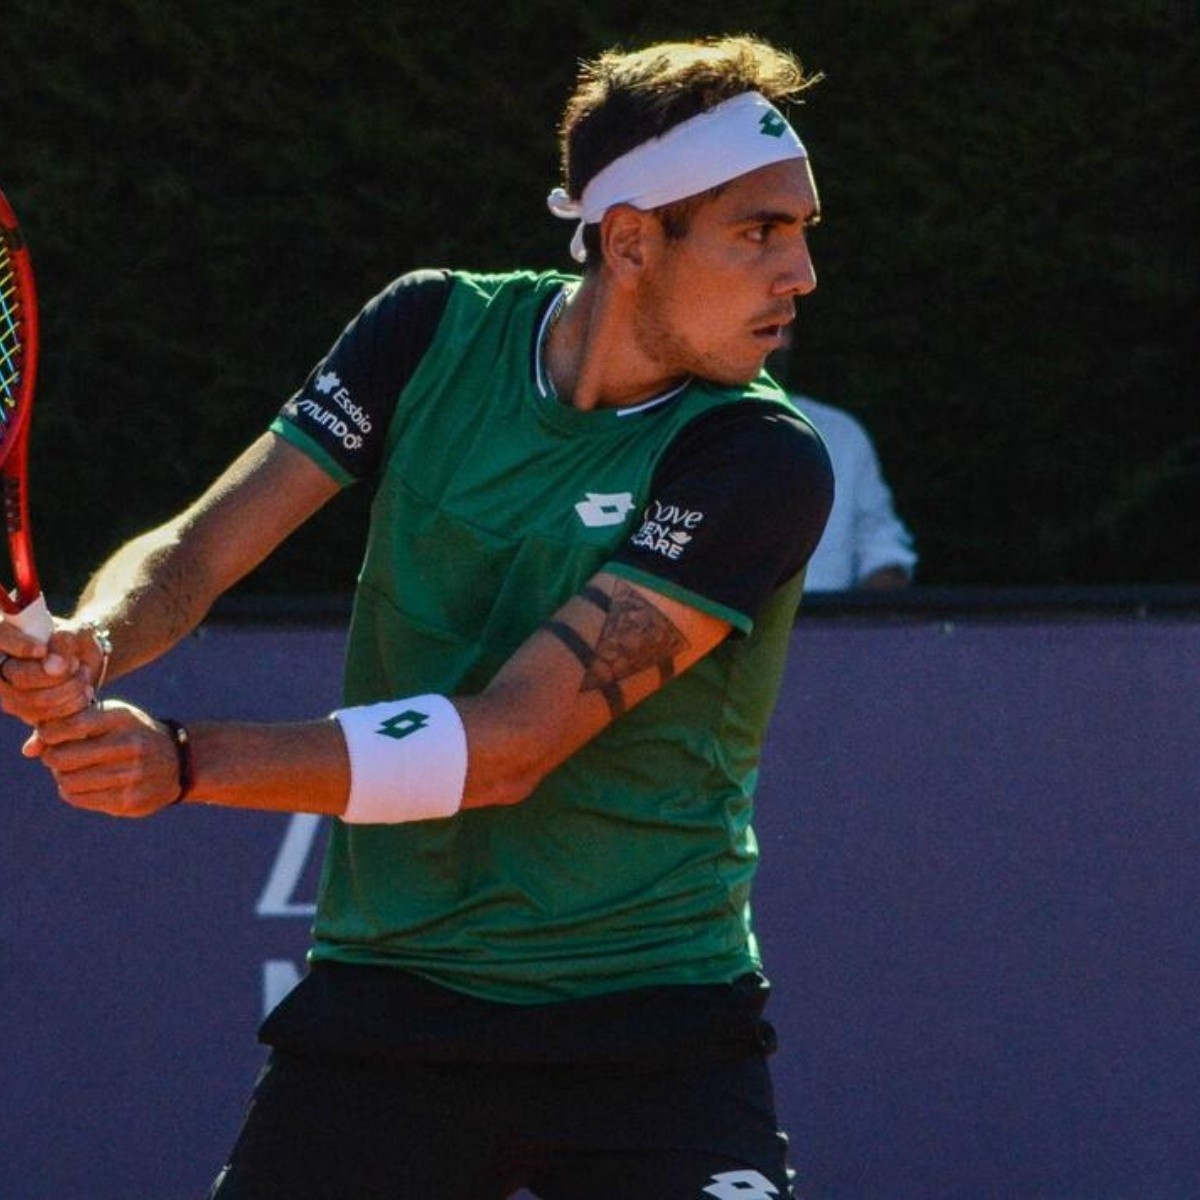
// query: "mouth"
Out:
[773,336]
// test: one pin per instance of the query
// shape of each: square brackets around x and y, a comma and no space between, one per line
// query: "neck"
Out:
[591,355]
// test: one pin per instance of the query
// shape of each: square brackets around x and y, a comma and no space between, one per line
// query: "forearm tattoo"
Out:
[636,637]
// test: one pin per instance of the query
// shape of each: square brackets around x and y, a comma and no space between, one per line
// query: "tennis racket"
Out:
[23,604]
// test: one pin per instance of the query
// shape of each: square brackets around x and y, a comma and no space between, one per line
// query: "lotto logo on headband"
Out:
[772,125]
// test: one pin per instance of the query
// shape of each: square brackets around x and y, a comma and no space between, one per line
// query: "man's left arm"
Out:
[602,653]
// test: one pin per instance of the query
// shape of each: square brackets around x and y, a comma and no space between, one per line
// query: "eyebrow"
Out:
[768,216]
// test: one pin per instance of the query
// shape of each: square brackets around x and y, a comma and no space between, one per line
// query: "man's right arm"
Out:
[159,586]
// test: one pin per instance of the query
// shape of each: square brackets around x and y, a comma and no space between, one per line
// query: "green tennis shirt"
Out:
[631,863]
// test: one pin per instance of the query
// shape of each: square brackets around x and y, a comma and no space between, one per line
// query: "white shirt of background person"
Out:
[865,544]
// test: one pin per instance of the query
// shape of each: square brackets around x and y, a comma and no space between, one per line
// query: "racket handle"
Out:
[34,619]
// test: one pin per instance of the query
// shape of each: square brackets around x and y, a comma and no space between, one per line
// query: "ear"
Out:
[628,240]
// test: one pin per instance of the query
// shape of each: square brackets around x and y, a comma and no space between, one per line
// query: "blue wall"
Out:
[978,904]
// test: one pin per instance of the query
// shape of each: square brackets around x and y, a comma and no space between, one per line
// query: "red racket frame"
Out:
[14,445]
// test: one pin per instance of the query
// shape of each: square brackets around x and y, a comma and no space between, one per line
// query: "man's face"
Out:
[714,302]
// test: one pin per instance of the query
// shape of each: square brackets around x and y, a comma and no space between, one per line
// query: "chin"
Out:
[732,374]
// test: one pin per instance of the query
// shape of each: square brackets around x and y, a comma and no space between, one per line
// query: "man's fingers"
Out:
[32,675]
[19,645]
[103,781]
[76,696]
[111,758]
[54,700]
[75,726]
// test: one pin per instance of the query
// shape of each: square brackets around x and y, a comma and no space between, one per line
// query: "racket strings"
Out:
[10,338]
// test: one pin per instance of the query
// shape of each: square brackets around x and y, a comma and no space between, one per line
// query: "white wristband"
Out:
[408,760]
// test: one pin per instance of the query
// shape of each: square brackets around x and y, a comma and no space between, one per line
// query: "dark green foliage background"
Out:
[1009,266]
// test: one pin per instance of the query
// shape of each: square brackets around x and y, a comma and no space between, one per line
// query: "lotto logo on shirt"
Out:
[667,529]
[741,1185]
[604,508]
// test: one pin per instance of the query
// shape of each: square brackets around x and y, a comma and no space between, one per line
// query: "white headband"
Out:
[736,136]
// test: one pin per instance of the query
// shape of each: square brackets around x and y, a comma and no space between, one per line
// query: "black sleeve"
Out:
[737,505]
[342,412]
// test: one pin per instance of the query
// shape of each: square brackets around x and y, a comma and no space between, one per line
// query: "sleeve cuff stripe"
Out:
[310,446]
[656,583]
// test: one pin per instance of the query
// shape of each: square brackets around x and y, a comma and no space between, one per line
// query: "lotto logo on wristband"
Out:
[402,724]
[395,777]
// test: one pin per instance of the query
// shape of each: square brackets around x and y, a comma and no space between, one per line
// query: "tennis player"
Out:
[533,962]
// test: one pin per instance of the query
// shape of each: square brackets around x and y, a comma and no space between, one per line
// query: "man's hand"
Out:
[111,758]
[42,682]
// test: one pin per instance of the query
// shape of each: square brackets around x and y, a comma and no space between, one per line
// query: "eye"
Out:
[760,232]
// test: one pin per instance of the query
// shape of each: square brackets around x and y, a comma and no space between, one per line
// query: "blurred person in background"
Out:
[865,545]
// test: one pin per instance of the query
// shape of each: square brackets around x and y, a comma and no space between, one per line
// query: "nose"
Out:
[800,276]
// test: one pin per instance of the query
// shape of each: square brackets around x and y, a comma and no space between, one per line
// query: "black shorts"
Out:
[321,1129]
[382,1087]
